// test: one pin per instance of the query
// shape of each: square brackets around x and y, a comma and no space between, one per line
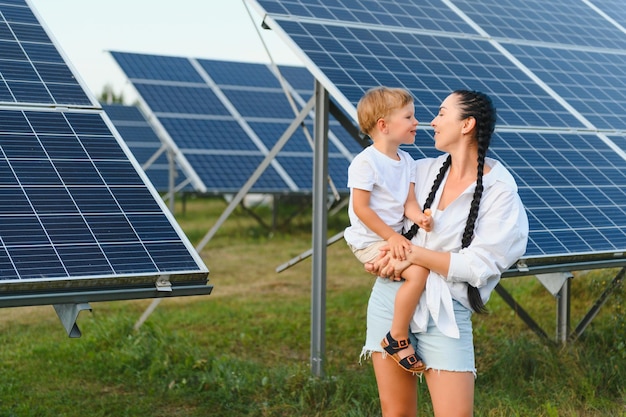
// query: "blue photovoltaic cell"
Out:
[613,8]
[430,67]
[143,143]
[557,21]
[426,14]
[74,208]
[226,125]
[620,141]
[573,186]
[58,211]
[151,67]
[594,83]
[31,68]
[554,69]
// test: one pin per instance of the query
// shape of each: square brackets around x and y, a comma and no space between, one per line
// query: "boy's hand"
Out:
[425,221]
[398,244]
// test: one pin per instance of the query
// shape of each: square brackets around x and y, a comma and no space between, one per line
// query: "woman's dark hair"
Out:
[479,106]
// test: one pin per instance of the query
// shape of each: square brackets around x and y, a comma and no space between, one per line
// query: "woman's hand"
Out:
[387,267]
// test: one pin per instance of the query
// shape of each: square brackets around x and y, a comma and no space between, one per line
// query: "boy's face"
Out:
[401,125]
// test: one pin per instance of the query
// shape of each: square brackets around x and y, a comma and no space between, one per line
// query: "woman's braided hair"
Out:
[479,106]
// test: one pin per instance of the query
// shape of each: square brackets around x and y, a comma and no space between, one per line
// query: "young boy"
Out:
[381,180]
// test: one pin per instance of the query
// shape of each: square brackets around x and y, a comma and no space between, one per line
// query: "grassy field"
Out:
[244,349]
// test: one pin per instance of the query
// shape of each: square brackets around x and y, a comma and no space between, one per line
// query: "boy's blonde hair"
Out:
[379,102]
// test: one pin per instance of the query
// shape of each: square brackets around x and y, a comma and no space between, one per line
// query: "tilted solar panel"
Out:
[77,214]
[144,143]
[565,22]
[555,72]
[224,117]
[612,9]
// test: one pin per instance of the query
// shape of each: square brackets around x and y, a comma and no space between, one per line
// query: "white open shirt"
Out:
[500,238]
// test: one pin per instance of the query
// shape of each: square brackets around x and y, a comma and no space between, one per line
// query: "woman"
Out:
[480,230]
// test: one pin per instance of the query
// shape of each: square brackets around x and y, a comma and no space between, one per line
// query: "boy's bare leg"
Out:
[406,301]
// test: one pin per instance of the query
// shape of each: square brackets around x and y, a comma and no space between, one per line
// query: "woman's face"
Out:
[447,124]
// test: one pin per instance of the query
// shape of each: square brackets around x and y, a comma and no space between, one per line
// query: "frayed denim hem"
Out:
[366,354]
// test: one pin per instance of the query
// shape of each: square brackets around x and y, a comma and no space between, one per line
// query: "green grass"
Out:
[244,349]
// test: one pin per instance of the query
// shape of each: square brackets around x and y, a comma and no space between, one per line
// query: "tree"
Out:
[108,96]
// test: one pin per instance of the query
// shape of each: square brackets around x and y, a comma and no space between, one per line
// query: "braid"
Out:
[479,106]
[429,201]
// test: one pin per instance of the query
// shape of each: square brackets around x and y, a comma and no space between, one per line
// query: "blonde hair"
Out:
[379,102]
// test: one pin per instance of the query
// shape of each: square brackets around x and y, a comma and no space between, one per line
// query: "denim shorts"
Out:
[437,350]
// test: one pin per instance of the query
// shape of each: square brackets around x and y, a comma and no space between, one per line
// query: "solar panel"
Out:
[145,145]
[77,214]
[224,117]
[565,22]
[612,9]
[554,69]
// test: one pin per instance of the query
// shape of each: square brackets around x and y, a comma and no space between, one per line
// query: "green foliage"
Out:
[108,96]
[244,349]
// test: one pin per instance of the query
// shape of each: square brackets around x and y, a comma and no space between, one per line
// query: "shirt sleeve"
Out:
[500,239]
[361,174]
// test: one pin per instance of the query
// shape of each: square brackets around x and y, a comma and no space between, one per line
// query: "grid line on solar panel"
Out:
[572,187]
[430,68]
[244,116]
[614,9]
[594,83]
[31,69]
[559,22]
[69,190]
[144,144]
[426,15]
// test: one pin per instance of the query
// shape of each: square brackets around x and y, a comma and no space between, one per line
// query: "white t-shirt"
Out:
[388,182]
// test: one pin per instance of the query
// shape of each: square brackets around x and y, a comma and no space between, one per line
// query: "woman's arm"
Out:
[499,240]
[387,266]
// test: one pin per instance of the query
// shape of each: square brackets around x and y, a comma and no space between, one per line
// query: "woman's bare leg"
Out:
[452,393]
[397,388]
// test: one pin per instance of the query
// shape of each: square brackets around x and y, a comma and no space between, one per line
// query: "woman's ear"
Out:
[468,124]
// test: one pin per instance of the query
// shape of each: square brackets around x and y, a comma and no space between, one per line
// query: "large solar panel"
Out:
[556,71]
[146,147]
[77,213]
[224,117]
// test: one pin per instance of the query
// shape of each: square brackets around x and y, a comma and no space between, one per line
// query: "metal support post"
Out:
[563,311]
[320,213]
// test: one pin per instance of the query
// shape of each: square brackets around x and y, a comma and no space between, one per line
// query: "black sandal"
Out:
[411,363]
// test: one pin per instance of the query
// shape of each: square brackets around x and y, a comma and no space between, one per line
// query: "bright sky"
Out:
[85,30]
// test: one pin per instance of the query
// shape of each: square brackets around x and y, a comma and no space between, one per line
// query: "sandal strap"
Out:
[411,362]
[394,346]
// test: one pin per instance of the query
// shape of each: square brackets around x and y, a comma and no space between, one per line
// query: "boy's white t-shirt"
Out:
[388,182]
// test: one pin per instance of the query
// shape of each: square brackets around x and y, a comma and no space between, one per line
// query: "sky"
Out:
[85,30]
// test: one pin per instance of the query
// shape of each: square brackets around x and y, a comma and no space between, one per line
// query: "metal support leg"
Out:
[615,283]
[563,312]
[68,313]
[521,312]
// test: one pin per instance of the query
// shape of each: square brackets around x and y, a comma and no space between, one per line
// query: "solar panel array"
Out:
[75,209]
[145,145]
[224,117]
[556,71]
